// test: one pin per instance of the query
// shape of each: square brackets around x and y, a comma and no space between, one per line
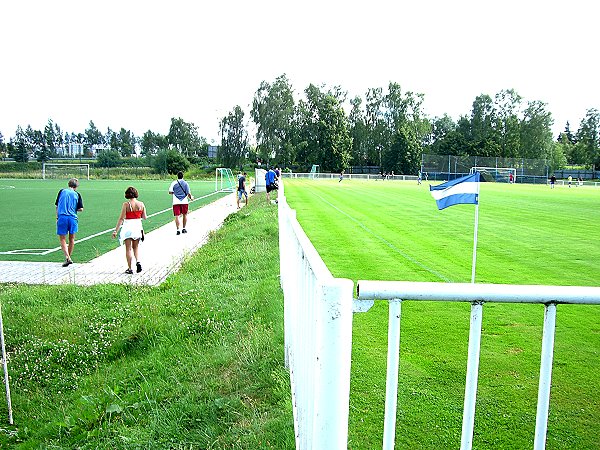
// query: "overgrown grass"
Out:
[527,235]
[196,363]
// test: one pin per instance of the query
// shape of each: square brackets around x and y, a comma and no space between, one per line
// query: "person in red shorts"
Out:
[182,195]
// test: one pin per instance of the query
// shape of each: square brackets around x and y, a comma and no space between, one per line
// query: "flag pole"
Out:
[474,263]
[468,423]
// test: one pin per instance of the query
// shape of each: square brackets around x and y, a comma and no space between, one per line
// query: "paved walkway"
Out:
[161,254]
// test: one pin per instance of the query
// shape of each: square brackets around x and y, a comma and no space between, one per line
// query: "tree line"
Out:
[386,128]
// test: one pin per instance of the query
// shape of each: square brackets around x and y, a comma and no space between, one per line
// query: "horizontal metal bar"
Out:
[468,292]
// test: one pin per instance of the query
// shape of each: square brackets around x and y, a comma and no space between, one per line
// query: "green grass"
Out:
[28,214]
[527,235]
[196,363]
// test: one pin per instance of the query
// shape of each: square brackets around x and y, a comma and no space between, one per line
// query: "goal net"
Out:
[497,174]
[224,180]
[314,171]
[56,170]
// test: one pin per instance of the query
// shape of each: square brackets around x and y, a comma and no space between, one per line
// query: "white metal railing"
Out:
[318,312]
[476,294]
[318,337]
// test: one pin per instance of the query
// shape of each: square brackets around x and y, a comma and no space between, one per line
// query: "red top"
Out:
[134,214]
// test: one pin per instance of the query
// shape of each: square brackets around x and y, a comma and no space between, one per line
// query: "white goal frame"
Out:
[496,170]
[85,166]
[224,180]
[315,171]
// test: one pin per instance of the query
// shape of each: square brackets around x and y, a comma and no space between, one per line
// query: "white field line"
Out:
[55,249]
[388,243]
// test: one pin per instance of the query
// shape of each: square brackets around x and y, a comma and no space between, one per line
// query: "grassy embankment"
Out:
[195,363]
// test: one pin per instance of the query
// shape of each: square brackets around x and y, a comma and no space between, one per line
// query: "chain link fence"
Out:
[449,167]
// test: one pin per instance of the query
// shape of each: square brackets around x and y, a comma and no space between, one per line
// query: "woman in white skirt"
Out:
[132,231]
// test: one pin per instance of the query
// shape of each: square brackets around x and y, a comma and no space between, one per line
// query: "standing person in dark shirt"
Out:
[68,204]
[241,190]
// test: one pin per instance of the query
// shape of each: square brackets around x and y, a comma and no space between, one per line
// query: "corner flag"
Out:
[461,190]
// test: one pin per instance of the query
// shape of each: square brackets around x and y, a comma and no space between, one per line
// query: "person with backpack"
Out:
[180,190]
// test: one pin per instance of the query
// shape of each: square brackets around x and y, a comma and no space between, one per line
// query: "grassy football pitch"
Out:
[381,230]
[28,215]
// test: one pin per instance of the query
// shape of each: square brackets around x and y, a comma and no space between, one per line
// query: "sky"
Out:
[136,64]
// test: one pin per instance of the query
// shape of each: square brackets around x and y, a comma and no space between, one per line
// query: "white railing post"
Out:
[393,364]
[332,366]
[472,372]
[541,421]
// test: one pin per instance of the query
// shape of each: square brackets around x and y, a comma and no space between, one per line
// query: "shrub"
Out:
[170,161]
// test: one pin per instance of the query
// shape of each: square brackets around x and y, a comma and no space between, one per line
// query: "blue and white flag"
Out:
[460,190]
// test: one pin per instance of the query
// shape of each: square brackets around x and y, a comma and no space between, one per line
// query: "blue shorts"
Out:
[66,225]
[240,193]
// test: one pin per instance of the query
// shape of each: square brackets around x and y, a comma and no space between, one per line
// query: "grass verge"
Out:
[194,363]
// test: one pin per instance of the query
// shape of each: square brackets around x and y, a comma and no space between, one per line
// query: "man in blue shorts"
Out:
[68,204]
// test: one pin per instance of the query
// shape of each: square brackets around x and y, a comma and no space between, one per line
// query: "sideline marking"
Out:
[6,186]
[25,251]
[388,243]
[56,249]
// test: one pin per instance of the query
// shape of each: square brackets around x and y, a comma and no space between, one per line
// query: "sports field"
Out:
[384,230]
[28,215]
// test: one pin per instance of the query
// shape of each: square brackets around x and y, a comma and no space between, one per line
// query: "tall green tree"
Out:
[152,142]
[359,133]
[41,150]
[569,135]
[588,137]
[273,111]
[19,146]
[93,136]
[482,133]
[377,131]
[508,105]
[406,130]
[536,137]
[125,142]
[326,129]
[183,136]
[50,138]
[557,157]
[234,139]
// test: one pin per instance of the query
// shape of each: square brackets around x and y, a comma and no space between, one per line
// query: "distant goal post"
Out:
[224,180]
[63,170]
[498,174]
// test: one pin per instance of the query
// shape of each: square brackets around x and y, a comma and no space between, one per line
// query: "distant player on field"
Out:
[68,204]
